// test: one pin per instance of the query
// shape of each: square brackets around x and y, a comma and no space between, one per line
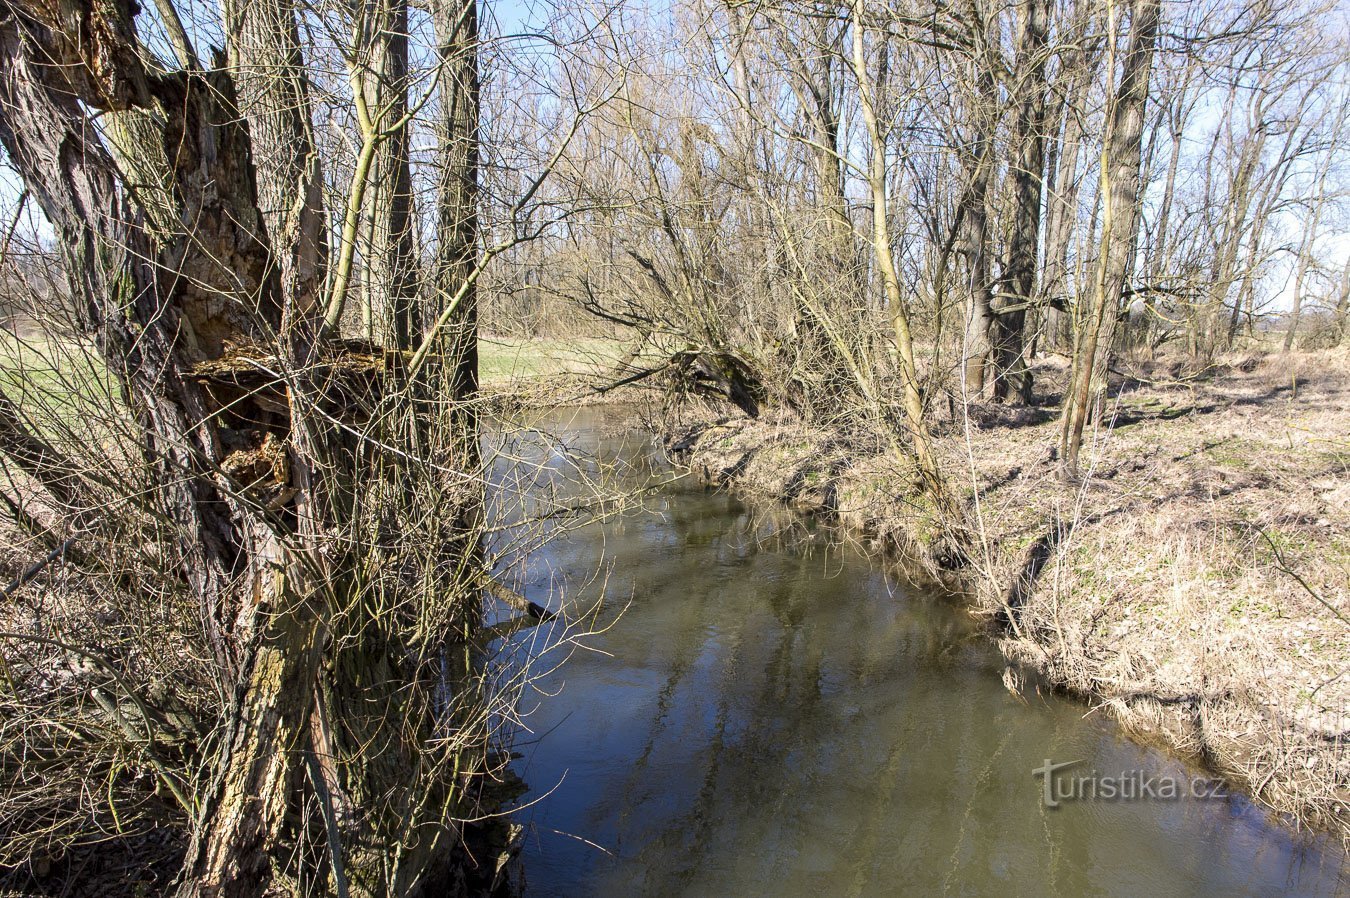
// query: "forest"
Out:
[1044,302]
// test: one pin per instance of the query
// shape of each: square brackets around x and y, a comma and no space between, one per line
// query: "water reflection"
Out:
[771,717]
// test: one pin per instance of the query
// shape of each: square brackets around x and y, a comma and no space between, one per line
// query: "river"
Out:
[768,713]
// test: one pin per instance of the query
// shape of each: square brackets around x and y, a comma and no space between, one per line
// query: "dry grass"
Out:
[1196,584]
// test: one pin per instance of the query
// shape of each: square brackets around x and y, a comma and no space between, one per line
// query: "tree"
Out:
[1014,375]
[921,444]
[205,281]
[1120,165]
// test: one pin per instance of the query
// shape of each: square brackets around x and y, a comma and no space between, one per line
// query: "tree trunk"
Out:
[973,238]
[1305,250]
[263,50]
[1160,255]
[1343,305]
[1120,224]
[934,483]
[456,24]
[391,270]
[1062,204]
[165,311]
[1013,382]
[1301,277]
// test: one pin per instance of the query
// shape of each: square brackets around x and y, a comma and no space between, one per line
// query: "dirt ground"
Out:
[1195,583]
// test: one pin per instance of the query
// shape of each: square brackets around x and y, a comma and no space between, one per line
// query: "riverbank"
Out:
[1195,585]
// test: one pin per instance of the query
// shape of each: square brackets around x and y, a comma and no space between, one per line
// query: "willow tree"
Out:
[186,207]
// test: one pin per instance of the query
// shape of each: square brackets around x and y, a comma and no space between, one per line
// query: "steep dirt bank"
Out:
[1196,585]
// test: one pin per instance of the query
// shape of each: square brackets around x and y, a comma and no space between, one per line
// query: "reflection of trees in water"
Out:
[789,681]
[794,644]
[807,726]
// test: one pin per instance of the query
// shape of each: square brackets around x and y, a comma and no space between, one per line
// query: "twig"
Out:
[1284,567]
[35,569]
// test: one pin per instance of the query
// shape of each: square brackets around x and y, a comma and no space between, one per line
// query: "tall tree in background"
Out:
[978,162]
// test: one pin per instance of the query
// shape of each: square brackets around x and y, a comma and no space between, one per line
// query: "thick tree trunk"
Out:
[165,310]
[974,242]
[153,320]
[242,822]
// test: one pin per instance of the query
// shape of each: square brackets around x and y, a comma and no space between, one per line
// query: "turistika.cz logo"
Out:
[1059,785]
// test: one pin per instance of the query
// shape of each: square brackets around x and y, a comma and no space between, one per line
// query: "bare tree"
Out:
[1120,192]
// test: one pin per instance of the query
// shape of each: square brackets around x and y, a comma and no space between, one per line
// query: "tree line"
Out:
[882,207]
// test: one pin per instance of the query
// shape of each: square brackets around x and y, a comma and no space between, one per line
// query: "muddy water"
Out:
[768,715]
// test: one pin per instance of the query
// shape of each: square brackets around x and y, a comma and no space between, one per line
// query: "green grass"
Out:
[60,386]
[505,359]
[56,382]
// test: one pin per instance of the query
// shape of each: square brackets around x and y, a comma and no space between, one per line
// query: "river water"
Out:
[767,714]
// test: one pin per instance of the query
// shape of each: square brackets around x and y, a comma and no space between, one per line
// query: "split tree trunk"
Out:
[183,294]
[1121,162]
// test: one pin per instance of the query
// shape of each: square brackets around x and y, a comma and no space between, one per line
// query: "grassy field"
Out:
[502,360]
[62,388]
[31,362]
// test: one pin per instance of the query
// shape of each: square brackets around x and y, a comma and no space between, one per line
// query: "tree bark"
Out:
[391,269]
[973,239]
[263,46]
[161,308]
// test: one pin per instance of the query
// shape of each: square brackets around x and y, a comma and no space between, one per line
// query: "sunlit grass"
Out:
[59,385]
[505,359]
